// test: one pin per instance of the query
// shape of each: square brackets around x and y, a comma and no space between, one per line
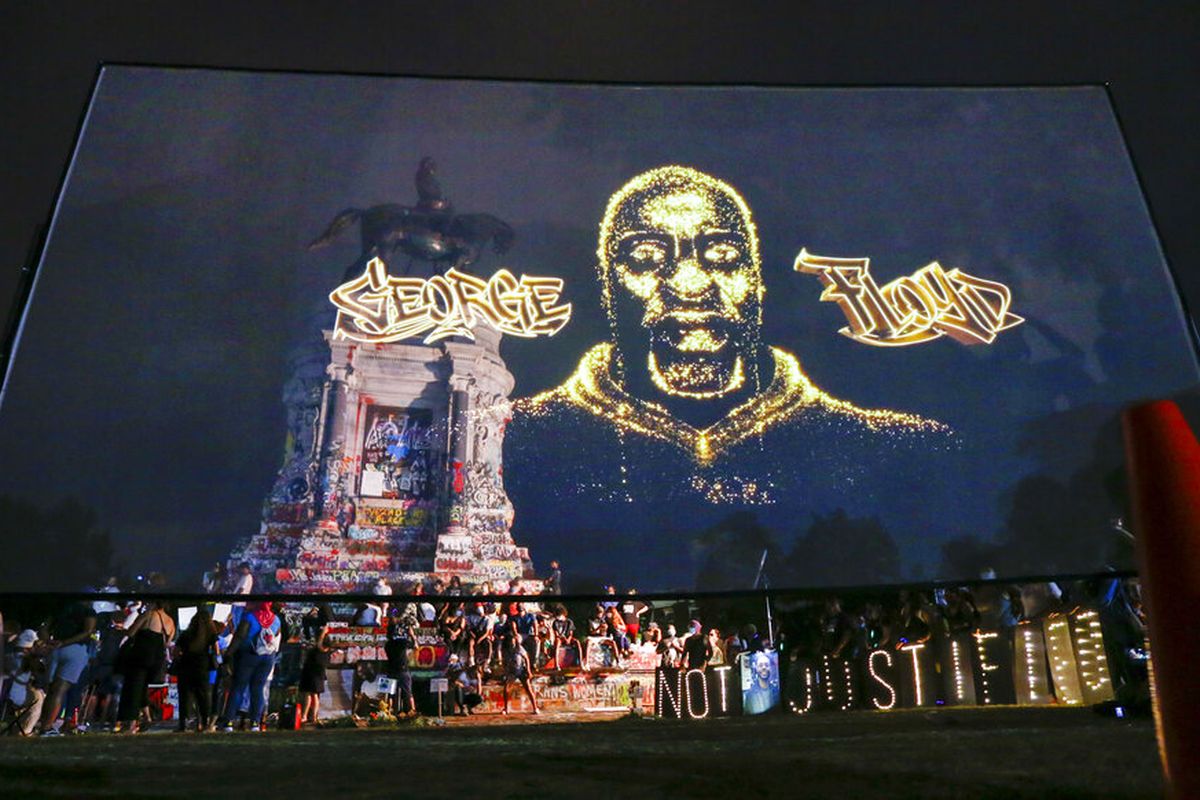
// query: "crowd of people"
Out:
[93,664]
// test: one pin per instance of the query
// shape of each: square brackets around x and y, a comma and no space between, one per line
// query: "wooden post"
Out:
[1163,458]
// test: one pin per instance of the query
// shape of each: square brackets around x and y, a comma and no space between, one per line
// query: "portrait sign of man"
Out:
[760,682]
[685,401]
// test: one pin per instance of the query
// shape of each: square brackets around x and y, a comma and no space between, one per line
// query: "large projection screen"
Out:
[652,333]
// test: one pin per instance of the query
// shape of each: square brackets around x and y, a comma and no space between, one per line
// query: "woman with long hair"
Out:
[316,662]
[142,658]
[194,659]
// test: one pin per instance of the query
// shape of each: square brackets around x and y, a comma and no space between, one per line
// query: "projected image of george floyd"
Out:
[678,338]
[681,280]
[686,409]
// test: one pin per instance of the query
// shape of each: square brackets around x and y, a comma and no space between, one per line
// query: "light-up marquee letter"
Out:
[880,676]
[922,307]
[1062,660]
[692,693]
[376,307]
[920,691]
[839,682]
[1086,635]
[696,690]
[722,675]
[809,692]
[1032,683]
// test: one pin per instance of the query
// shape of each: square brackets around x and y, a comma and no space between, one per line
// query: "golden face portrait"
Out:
[681,246]
[681,280]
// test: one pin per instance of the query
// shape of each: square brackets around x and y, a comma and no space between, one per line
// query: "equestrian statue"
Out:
[429,231]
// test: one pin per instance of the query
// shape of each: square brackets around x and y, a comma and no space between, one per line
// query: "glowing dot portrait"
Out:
[680,249]
[681,279]
[685,410]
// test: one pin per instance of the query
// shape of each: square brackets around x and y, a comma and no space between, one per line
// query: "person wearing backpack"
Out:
[254,649]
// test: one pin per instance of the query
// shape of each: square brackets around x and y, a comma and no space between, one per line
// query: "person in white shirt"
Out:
[245,581]
[105,606]
[383,589]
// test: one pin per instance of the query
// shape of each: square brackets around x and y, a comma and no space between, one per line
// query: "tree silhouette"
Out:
[730,551]
[968,556]
[840,550]
[1057,523]
[61,548]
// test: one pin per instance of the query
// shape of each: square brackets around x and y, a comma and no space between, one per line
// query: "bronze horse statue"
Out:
[429,231]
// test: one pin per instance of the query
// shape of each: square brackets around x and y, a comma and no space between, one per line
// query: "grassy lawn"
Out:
[971,753]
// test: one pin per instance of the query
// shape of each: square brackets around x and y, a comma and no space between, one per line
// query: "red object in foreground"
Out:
[1163,457]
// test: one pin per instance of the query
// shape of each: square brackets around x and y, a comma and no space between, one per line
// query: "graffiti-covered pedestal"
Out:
[393,469]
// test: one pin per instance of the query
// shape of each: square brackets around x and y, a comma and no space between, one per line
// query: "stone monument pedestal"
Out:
[393,469]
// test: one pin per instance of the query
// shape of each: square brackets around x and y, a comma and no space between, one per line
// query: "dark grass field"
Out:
[976,753]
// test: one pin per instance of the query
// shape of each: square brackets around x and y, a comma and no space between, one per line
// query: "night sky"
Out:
[147,380]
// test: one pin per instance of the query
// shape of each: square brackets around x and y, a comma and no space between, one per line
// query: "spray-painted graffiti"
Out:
[341,561]
[302,399]
[397,459]
[500,552]
[496,570]
[321,580]
[412,515]
[442,564]
[378,547]
[580,693]
[333,489]
[287,513]
[454,546]
[483,487]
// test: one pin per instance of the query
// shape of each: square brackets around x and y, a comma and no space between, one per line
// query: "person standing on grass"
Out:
[255,647]
[195,655]
[316,663]
[401,640]
[101,706]
[517,668]
[142,658]
[70,634]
